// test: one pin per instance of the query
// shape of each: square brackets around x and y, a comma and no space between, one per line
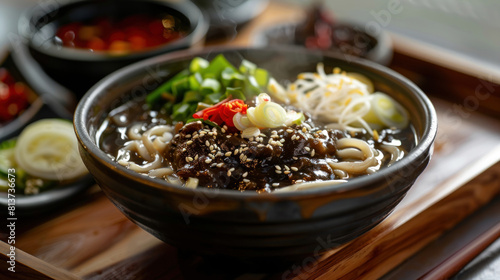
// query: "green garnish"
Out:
[207,82]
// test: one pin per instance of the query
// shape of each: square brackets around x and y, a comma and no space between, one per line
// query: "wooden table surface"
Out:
[93,240]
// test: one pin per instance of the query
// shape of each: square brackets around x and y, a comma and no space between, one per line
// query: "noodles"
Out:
[334,128]
[148,146]
[354,167]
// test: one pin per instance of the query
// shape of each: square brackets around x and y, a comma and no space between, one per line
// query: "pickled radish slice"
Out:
[48,149]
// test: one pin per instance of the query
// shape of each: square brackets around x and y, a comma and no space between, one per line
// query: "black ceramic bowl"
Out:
[381,52]
[247,225]
[79,69]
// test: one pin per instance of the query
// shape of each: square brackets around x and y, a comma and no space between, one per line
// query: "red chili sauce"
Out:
[132,33]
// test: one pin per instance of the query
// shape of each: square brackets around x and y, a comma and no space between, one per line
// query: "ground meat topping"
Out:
[278,157]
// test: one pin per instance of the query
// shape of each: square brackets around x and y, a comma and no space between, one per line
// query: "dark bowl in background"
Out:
[245,225]
[79,69]
[284,34]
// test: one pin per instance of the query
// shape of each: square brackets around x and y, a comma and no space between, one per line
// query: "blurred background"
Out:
[466,28]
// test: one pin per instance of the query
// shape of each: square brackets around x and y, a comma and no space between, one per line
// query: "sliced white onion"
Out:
[49,149]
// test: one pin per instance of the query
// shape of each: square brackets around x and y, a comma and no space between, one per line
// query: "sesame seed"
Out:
[220,164]
[229,173]
[277,167]
[304,129]
[282,141]
[207,143]
[189,159]
[286,172]
[243,145]
[228,136]
[189,142]
[213,165]
[183,149]
[196,136]
[223,130]
[245,174]
[260,145]
[208,160]
[313,152]
[248,159]
[275,184]
[286,167]
[307,149]
[295,158]
[289,130]
[293,137]
[228,154]
[246,180]
[188,135]
[232,169]
[278,172]
[274,132]
[211,156]
[279,144]
[219,154]
[294,168]
[196,157]
[299,181]
[251,139]
[236,151]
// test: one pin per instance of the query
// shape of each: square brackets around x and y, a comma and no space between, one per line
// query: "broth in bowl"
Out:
[219,125]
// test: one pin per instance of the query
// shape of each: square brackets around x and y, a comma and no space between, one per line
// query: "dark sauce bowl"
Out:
[246,225]
[79,69]
[348,39]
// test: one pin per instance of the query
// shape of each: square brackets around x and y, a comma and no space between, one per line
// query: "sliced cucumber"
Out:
[48,149]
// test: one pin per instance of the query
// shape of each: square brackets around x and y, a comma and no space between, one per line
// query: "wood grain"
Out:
[29,267]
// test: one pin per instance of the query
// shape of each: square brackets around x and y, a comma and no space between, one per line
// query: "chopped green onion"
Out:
[156,95]
[262,77]
[209,86]
[213,98]
[236,93]
[191,96]
[231,78]
[247,67]
[216,66]
[198,64]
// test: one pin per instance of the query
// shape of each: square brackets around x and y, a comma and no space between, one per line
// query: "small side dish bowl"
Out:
[78,68]
[248,225]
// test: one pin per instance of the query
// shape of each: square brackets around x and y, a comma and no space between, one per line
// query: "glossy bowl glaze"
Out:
[79,69]
[247,225]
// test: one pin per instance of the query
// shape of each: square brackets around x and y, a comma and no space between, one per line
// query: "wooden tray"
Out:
[93,240]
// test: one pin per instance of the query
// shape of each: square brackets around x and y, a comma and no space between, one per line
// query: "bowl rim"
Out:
[87,143]
[198,30]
